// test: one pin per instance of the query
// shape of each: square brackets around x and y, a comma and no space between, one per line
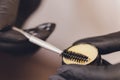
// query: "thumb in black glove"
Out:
[15,13]
[105,44]
[77,72]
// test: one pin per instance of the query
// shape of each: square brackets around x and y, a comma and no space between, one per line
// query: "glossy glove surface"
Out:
[105,43]
[14,43]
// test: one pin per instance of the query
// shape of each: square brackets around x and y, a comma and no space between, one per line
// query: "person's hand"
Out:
[105,44]
[15,13]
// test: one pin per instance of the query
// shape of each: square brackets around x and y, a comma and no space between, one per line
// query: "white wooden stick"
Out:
[38,41]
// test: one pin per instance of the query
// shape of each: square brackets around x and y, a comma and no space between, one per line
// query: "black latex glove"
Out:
[77,72]
[105,44]
[15,13]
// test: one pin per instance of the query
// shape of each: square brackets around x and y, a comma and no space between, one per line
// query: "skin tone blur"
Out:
[36,67]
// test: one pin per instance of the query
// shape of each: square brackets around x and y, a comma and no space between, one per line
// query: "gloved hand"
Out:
[77,72]
[15,13]
[106,44]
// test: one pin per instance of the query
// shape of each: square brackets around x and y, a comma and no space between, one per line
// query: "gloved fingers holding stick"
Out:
[104,45]
[15,13]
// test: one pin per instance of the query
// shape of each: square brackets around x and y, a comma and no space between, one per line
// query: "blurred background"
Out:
[78,19]
[75,19]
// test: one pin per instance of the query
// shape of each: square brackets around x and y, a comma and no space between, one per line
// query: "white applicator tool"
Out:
[38,41]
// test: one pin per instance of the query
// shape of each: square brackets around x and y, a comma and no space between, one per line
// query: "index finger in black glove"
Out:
[77,72]
[106,44]
[14,43]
